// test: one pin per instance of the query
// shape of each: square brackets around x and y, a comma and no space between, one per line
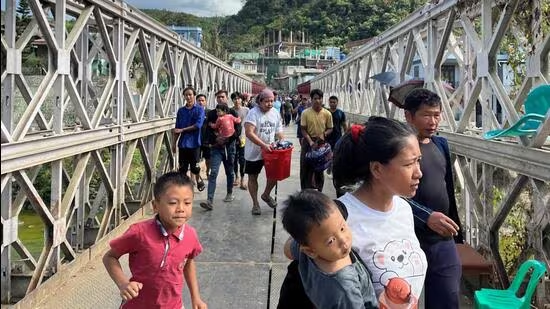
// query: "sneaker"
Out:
[200,185]
[229,198]
[256,211]
[207,205]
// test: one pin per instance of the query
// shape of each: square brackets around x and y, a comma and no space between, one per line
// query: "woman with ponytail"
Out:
[382,155]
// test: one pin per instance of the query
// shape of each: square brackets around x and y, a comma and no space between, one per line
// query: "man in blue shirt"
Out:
[277,104]
[187,136]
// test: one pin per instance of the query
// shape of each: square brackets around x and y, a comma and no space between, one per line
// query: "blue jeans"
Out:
[442,284]
[219,155]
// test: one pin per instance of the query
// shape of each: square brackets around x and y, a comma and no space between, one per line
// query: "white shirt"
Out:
[266,125]
[387,243]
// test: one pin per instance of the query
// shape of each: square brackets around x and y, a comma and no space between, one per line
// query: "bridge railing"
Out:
[503,184]
[84,139]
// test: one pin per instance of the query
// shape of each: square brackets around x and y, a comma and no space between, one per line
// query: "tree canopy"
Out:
[325,22]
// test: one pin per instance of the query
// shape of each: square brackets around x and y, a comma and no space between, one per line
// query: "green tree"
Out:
[23,18]
[23,9]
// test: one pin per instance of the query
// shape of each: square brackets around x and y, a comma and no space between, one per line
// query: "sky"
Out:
[196,7]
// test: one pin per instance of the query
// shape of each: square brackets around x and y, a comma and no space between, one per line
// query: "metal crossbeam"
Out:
[473,32]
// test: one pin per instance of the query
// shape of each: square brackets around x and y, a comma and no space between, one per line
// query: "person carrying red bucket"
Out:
[277,161]
[262,128]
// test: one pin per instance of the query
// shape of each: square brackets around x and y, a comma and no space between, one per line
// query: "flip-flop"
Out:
[269,201]
[200,186]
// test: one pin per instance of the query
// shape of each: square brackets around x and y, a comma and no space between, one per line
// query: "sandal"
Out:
[244,187]
[269,201]
[200,186]
[256,211]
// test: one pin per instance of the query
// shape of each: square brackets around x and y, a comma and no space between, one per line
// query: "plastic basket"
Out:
[277,163]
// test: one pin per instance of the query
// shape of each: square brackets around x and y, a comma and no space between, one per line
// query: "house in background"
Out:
[247,63]
[191,34]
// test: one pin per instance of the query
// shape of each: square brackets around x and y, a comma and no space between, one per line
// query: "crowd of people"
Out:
[380,245]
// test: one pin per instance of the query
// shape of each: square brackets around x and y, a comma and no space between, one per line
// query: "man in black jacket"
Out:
[436,192]
[220,153]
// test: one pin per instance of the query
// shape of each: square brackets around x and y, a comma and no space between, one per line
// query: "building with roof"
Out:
[191,34]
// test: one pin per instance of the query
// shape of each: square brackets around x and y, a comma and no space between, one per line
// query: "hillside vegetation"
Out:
[325,22]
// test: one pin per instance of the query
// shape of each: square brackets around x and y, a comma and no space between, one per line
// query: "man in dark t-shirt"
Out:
[340,125]
[436,192]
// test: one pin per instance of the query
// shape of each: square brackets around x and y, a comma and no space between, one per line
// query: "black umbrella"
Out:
[400,92]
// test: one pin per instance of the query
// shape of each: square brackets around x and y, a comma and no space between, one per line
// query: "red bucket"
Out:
[277,163]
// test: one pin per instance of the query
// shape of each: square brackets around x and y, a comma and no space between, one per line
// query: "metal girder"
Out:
[473,32]
[73,113]
[531,162]
[22,155]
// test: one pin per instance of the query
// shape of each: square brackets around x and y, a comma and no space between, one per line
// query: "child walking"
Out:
[225,124]
[333,275]
[160,250]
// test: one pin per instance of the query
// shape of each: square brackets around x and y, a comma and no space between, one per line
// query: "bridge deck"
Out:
[233,270]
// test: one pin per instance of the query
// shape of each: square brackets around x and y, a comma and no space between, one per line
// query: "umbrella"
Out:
[400,92]
[389,78]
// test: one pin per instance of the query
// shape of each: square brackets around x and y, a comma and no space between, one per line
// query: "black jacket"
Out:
[210,134]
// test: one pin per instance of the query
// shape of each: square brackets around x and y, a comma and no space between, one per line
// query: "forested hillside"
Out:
[326,22]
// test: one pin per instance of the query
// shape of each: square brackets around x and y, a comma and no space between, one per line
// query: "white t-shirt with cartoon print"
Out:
[266,125]
[387,243]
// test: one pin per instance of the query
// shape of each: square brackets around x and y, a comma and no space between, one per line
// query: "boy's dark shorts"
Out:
[190,155]
[253,167]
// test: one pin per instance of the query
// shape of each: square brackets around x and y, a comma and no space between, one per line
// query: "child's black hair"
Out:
[170,179]
[222,107]
[303,210]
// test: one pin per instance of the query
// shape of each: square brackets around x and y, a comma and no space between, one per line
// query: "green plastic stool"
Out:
[536,106]
[500,299]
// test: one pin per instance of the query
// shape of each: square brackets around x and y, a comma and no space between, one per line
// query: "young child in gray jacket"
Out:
[333,275]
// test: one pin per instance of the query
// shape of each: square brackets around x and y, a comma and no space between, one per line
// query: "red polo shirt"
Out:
[157,261]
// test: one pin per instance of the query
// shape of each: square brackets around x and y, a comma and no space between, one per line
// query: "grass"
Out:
[31,233]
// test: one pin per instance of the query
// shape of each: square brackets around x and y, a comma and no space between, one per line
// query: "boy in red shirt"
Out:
[160,250]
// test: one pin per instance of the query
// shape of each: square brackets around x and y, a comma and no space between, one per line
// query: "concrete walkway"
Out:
[234,268]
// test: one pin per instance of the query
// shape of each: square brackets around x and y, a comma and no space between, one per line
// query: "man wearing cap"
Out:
[262,127]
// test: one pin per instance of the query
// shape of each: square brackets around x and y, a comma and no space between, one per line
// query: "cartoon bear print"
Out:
[398,259]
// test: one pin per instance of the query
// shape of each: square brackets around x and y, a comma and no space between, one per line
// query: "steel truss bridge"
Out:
[87,133]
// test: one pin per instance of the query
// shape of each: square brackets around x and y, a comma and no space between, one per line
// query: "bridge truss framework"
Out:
[473,32]
[86,130]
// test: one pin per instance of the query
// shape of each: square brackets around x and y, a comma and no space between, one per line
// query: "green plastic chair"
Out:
[536,106]
[500,299]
